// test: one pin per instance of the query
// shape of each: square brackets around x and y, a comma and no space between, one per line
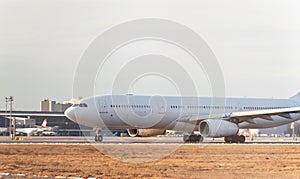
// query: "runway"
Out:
[133,140]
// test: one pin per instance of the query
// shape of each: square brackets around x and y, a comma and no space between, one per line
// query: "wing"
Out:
[263,114]
[245,116]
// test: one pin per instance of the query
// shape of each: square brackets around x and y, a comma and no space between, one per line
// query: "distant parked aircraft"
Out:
[32,131]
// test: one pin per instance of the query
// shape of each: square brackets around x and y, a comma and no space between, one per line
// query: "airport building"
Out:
[65,126]
[54,113]
[52,106]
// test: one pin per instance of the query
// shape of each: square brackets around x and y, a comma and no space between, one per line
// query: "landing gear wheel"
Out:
[201,138]
[98,138]
[242,139]
[227,140]
[186,138]
[235,139]
[192,138]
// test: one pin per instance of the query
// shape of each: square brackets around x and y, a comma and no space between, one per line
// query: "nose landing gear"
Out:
[98,137]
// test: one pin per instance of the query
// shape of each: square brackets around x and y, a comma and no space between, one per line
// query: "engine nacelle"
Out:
[217,128]
[145,132]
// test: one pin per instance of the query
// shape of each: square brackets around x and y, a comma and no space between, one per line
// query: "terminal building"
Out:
[54,113]
[52,106]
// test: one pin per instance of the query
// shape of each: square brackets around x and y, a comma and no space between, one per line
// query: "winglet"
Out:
[296,97]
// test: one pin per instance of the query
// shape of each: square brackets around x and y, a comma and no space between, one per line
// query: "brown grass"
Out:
[188,161]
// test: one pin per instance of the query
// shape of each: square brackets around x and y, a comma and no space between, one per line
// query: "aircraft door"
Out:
[103,107]
[158,104]
[161,108]
[240,107]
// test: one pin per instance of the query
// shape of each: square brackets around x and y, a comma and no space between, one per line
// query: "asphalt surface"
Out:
[133,140]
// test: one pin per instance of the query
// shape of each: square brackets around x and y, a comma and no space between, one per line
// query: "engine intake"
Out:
[145,132]
[217,128]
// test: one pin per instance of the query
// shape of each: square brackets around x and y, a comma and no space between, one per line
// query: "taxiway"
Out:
[133,140]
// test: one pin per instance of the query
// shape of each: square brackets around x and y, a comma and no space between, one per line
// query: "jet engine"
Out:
[145,132]
[217,128]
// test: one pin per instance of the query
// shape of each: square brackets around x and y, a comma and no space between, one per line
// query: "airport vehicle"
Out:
[212,117]
[32,131]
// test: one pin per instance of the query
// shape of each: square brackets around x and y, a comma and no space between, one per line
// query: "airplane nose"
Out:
[70,114]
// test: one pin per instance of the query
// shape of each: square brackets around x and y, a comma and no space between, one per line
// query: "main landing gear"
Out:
[235,139]
[193,138]
[98,137]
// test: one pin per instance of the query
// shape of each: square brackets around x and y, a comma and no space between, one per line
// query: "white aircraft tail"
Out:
[296,97]
[44,124]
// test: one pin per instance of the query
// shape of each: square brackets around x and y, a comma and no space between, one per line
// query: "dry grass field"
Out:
[188,161]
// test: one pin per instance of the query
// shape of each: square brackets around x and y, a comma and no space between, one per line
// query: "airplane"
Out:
[48,133]
[209,116]
[3,131]
[33,130]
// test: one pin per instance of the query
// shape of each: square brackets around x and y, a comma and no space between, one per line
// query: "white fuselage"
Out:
[28,131]
[168,112]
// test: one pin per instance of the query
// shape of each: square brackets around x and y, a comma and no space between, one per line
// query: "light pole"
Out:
[6,100]
[12,130]
[293,129]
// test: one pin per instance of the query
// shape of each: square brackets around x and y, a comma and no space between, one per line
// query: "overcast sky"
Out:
[256,42]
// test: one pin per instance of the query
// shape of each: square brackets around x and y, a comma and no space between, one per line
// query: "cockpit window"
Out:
[80,105]
[83,105]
